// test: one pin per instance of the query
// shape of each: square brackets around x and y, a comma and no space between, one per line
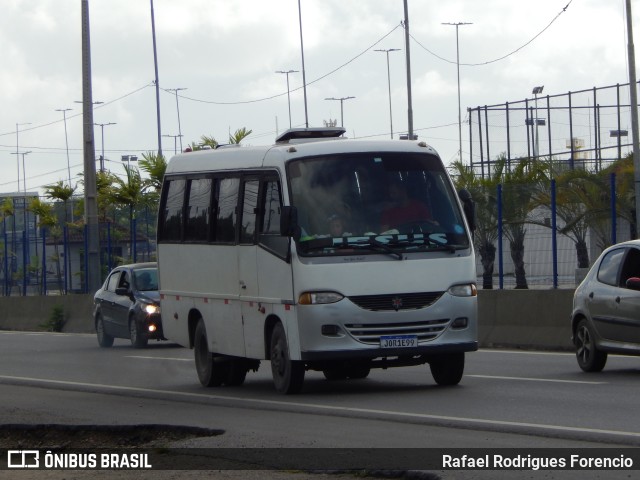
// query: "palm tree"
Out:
[483,193]
[155,166]
[239,135]
[129,192]
[61,192]
[47,219]
[520,184]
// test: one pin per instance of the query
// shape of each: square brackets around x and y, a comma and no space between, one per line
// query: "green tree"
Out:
[61,192]
[483,192]
[155,166]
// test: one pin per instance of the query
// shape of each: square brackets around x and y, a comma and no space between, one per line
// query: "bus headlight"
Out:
[319,298]
[466,290]
[151,309]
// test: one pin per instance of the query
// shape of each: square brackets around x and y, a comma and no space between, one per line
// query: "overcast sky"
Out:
[225,54]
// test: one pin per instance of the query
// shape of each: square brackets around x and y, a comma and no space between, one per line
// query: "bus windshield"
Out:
[384,202]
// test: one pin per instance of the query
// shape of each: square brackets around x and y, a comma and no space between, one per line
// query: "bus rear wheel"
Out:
[288,375]
[212,372]
[447,369]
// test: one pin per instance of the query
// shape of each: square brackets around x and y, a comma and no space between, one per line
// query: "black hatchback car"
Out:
[128,306]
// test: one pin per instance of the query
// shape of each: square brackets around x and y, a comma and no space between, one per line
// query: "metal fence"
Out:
[52,261]
[577,129]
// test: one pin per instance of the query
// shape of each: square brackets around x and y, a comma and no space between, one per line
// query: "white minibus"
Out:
[317,253]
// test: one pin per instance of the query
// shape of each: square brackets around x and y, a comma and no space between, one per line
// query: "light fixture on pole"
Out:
[288,95]
[457,24]
[176,90]
[18,149]
[175,146]
[536,91]
[128,159]
[102,125]
[341,100]
[389,83]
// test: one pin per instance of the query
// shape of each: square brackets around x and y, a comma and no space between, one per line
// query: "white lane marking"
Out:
[160,358]
[526,379]
[334,408]
[526,352]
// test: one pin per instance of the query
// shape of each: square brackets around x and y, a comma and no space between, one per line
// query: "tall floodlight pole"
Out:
[341,100]
[66,139]
[102,125]
[24,170]
[176,90]
[408,57]
[157,81]
[304,78]
[389,83]
[18,149]
[92,256]
[457,24]
[536,145]
[288,95]
[633,97]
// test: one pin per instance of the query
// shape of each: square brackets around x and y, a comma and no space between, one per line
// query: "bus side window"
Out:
[172,213]
[198,214]
[227,211]
[249,210]
[271,208]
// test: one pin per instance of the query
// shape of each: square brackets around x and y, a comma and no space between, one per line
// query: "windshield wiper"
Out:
[374,244]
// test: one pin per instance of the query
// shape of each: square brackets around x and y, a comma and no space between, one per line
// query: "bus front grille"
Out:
[396,301]
[371,332]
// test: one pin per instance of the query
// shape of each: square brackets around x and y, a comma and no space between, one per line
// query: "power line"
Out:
[502,57]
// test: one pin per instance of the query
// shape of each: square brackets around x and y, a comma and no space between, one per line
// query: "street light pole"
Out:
[175,146]
[176,90]
[157,81]
[304,78]
[288,96]
[457,24]
[24,172]
[66,139]
[18,150]
[536,146]
[102,125]
[408,60]
[342,99]
[389,83]
[633,97]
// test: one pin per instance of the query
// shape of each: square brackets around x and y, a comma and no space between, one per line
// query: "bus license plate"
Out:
[399,341]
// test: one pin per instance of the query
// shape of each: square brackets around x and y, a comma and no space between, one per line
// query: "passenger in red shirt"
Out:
[404,210]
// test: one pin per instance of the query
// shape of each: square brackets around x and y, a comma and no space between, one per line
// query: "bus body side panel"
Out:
[211,286]
[275,296]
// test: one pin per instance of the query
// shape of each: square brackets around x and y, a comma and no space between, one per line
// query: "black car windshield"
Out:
[146,279]
[391,202]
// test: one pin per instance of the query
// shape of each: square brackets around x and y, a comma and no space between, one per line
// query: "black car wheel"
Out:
[104,339]
[137,336]
[212,370]
[447,369]
[590,359]
[288,375]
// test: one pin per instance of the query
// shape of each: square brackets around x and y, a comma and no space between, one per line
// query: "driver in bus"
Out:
[336,226]
[403,210]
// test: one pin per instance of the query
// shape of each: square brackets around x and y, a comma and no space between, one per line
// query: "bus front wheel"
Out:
[288,375]
[447,369]
[211,371]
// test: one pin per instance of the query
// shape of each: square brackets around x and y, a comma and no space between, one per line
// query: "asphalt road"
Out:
[509,399]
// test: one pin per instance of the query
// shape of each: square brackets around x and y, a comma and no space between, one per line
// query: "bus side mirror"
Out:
[289,223]
[469,207]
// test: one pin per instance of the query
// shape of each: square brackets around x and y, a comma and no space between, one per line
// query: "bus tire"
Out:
[236,372]
[358,371]
[334,374]
[288,375]
[211,372]
[447,369]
